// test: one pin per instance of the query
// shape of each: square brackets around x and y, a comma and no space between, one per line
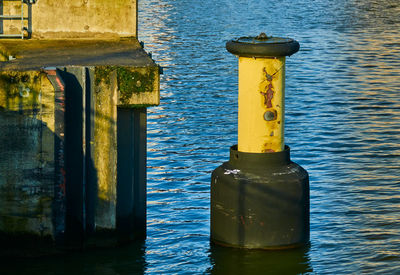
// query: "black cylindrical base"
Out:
[260,200]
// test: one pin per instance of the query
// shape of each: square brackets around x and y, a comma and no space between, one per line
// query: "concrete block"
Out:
[66,19]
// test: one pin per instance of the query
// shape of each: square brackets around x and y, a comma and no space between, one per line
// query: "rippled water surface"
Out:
[342,123]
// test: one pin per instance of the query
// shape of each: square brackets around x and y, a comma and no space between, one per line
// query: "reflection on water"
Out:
[243,261]
[342,123]
[124,260]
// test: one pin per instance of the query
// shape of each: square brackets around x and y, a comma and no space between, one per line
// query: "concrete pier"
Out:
[73,102]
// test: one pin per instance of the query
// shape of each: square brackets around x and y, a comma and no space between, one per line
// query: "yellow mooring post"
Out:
[261,104]
[260,198]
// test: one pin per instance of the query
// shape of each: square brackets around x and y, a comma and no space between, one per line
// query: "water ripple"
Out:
[342,123]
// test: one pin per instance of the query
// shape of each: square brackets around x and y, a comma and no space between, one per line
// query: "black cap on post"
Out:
[262,46]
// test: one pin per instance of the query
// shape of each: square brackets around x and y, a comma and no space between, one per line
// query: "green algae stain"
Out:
[129,80]
[19,90]
[102,74]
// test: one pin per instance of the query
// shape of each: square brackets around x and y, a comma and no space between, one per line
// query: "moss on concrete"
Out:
[137,86]
[130,81]
[19,88]
[102,74]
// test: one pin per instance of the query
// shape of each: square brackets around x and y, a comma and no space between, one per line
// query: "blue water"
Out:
[342,123]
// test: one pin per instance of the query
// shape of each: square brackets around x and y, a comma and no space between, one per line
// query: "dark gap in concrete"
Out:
[74,156]
[131,173]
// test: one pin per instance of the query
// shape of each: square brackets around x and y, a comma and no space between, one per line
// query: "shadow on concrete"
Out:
[27,186]
[45,201]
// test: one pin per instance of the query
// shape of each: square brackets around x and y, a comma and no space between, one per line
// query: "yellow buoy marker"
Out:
[260,198]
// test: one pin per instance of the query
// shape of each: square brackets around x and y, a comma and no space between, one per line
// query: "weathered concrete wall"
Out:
[60,147]
[45,193]
[26,153]
[74,18]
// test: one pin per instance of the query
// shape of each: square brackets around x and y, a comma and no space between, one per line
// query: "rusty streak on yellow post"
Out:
[261,104]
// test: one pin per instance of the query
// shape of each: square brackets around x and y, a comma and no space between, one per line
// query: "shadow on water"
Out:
[128,259]
[225,260]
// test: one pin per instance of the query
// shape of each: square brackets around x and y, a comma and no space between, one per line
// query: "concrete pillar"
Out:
[73,135]
[82,162]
